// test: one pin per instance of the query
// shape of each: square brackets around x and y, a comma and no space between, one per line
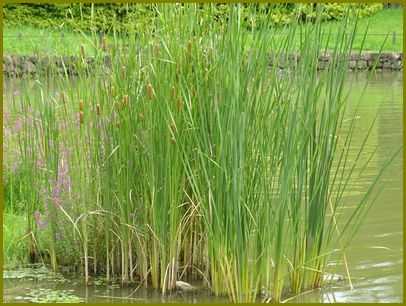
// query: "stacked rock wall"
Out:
[16,66]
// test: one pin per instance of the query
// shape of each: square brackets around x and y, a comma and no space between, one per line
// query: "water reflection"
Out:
[376,255]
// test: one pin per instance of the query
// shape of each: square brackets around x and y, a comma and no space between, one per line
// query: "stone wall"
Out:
[15,65]
[356,61]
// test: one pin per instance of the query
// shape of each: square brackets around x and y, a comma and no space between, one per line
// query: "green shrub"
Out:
[136,17]
[97,17]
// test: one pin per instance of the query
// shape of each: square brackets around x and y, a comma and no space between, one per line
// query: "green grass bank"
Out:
[27,40]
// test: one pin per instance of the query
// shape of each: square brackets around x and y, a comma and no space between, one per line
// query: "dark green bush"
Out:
[135,17]
[84,17]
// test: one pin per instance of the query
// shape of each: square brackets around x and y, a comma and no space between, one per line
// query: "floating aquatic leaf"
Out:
[52,296]
[34,273]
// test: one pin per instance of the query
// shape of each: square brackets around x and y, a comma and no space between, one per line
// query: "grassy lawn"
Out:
[379,25]
[27,40]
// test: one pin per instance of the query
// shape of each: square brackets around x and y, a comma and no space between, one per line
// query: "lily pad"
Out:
[33,273]
[52,296]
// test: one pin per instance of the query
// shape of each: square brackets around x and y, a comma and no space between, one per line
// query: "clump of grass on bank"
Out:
[15,251]
[193,159]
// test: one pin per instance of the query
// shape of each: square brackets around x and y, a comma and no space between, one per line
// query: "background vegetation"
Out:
[135,17]
[60,29]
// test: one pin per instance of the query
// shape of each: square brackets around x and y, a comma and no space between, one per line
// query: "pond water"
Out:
[375,257]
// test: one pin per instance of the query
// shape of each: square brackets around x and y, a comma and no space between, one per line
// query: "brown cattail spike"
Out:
[81,118]
[178,72]
[156,49]
[63,97]
[104,43]
[180,104]
[189,47]
[98,109]
[125,100]
[150,91]
[82,51]
[81,105]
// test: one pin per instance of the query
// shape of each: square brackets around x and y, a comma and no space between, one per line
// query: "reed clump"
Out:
[233,175]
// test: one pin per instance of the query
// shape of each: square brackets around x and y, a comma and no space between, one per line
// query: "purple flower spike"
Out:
[63,182]
[40,223]
[18,125]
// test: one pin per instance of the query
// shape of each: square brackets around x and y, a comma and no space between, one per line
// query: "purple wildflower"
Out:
[40,163]
[63,181]
[43,194]
[15,166]
[40,223]
[6,117]
[18,125]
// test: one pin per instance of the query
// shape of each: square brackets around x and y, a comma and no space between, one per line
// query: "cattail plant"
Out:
[150,91]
